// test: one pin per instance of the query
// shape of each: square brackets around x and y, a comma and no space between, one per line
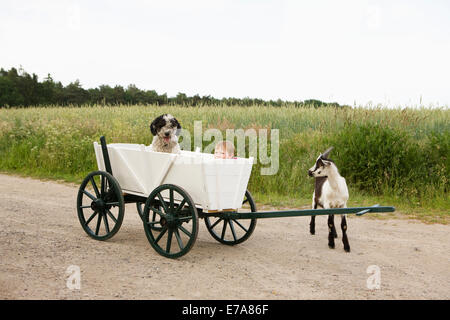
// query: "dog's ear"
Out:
[153,126]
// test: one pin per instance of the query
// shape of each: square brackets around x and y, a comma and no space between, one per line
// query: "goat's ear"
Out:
[319,162]
[326,163]
[327,152]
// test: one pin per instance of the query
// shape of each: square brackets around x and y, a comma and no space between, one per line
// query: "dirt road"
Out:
[40,238]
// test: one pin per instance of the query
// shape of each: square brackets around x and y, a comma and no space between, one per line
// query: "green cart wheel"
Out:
[233,231]
[176,217]
[100,205]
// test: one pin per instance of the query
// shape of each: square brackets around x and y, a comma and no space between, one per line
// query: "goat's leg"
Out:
[333,228]
[331,231]
[312,225]
[344,233]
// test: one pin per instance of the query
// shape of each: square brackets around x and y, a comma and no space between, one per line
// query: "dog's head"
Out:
[165,126]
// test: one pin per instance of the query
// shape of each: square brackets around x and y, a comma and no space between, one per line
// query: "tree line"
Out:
[20,89]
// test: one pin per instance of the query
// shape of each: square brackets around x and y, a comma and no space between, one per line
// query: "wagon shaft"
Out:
[301,213]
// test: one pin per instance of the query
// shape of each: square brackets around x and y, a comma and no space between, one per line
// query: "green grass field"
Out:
[389,156]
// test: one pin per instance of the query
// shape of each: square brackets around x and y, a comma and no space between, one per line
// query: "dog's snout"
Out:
[167,133]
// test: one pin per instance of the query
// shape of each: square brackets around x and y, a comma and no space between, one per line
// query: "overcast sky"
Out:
[388,52]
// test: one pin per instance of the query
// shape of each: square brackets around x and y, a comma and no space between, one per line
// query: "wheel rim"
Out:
[233,231]
[173,231]
[100,205]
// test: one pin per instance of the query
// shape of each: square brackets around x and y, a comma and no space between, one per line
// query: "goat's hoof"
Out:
[312,232]
[335,235]
[331,246]
[347,249]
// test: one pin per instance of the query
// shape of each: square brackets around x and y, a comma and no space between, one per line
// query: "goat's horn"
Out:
[327,152]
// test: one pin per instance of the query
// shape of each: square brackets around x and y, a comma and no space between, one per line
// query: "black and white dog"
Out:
[165,130]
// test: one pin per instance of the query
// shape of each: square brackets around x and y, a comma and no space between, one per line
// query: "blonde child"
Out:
[224,150]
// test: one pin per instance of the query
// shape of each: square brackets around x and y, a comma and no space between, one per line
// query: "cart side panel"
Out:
[129,166]
[223,178]
[186,172]
[138,169]
[245,177]
[99,157]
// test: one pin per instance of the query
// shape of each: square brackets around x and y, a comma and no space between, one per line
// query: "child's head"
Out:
[224,150]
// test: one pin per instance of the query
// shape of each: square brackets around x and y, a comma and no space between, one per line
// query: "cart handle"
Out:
[365,211]
[105,155]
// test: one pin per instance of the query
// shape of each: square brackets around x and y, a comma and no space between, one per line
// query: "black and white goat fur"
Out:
[330,191]
[165,130]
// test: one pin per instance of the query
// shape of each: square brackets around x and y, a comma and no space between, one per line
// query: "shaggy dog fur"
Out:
[165,130]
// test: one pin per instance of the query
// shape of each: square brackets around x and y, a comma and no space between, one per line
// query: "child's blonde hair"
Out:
[226,145]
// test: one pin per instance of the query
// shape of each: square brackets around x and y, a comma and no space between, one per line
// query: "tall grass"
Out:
[401,153]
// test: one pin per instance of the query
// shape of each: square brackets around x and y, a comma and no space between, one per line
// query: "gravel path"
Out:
[40,238]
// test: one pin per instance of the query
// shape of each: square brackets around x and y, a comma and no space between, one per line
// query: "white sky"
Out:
[389,52]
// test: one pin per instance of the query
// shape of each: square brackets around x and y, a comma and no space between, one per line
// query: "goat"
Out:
[330,191]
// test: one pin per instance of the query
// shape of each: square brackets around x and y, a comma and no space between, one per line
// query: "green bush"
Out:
[437,156]
[384,160]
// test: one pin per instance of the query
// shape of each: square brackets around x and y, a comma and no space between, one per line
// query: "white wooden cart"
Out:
[171,193]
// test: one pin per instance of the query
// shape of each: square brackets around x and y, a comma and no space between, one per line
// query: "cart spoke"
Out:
[182,203]
[232,229]
[95,187]
[184,219]
[163,203]
[99,220]
[246,200]
[171,199]
[169,240]
[90,218]
[84,207]
[224,228]
[105,220]
[158,212]
[240,225]
[153,223]
[215,223]
[177,235]
[89,195]
[112,203]
[111,216]
[163,231]
[185,231]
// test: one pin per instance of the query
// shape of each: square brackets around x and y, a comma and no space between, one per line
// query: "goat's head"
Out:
[322,166]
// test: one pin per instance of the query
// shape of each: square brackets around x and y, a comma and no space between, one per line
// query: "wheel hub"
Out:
[98,205]
[170,220]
